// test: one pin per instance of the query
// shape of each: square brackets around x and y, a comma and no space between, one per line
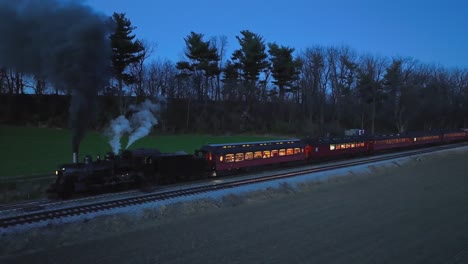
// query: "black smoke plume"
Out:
[65,42]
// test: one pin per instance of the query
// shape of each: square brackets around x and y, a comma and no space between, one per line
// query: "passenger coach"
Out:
[331,147]
[425,138]
[384,142]
[454,136]
[224,157]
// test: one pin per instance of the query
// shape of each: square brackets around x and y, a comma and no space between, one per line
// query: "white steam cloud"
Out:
[118,127]
[142,120]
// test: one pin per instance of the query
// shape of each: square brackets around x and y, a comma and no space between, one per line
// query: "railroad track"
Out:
[25,206]
[33,217]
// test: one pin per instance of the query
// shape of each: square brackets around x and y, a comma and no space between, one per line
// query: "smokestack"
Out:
[75,157]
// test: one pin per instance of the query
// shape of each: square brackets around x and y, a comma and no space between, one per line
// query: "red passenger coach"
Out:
[454,136]
[223,157]
[323,148]
[427,139]
[413,139]
[385,142]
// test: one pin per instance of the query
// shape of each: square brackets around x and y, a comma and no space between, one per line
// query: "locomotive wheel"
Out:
[65,190]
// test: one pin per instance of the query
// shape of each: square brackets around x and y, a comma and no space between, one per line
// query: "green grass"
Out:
[31,150]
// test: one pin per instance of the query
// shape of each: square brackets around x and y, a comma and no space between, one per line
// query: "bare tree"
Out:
[36,84]
[343,76]
[399,91]
[314,79]
[220,43]
[153,78]
[460,94]
[371,70]
[138,68]
[3,80]
[14,81]
[161,79]
[40,85]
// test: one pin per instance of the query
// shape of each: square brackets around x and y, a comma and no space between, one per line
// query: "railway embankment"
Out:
[390,210]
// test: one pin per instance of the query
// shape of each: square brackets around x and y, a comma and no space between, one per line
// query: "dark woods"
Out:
[262,87]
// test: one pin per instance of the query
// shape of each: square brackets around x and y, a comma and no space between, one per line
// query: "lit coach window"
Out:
[229,157]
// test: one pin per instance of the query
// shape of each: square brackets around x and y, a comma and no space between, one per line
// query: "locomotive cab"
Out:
[210,159]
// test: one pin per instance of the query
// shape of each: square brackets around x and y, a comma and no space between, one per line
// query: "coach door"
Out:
[370,145]
[308,151]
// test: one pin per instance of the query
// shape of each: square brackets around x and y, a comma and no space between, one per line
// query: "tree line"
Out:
[324,89]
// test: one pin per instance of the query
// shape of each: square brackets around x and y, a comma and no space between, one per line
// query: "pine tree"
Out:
[125,51]
[202,63]
[231,81]
[285,69]
[252,59]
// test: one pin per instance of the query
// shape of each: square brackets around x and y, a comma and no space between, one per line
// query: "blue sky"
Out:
[431,31]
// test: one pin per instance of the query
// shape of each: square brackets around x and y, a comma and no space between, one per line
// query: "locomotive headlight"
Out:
[59,172]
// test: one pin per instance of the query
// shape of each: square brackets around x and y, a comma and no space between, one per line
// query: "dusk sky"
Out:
[431,31]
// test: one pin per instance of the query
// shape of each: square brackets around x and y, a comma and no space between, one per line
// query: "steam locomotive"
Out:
[133,168]
[139,167]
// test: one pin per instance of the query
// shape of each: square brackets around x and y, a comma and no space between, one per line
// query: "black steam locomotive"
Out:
[132,168]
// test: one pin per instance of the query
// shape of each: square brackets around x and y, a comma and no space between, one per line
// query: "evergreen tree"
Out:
[252,59]
[285,69]
[231,81]
[202,63]
[125,51]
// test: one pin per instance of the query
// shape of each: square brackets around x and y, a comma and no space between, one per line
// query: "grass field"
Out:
[31,150]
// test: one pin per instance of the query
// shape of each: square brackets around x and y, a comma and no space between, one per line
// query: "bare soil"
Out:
[411,212]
